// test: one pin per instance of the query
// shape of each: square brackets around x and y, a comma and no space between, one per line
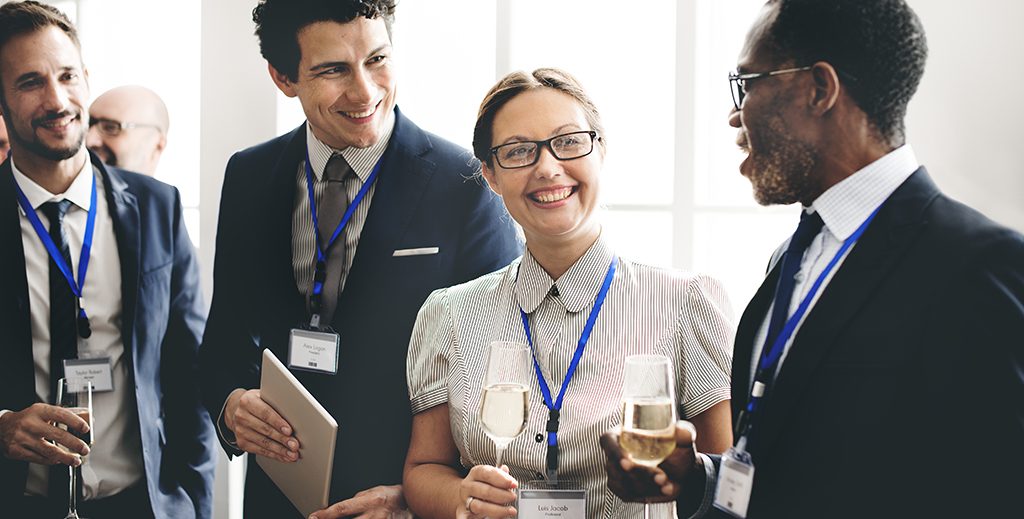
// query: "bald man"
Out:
[128,128]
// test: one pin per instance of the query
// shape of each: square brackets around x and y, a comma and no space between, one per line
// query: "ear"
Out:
[490,178]
[284,84]
[826,87]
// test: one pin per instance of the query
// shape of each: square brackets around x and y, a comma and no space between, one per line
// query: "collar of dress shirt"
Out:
[362,160]
[79,192]
[846,205]
[577,288]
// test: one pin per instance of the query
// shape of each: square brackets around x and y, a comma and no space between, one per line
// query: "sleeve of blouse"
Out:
[432,340]
[705,334]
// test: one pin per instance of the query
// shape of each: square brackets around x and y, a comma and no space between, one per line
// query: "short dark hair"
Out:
[278,23]
[878,47]
[516,83]
[18,18]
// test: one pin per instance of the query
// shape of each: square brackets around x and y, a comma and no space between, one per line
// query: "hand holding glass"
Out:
[505,402]
[648,410]
[76,398]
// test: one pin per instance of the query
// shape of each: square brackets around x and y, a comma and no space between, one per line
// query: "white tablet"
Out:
[306,482]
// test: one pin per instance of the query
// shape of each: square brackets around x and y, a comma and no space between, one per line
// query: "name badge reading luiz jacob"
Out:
[544,500]
[735,481]
[96,370]
[314,351]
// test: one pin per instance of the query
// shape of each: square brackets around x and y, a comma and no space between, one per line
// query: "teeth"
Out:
[554,195]
[360,115]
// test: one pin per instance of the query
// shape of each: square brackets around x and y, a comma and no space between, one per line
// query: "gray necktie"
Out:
[333,204]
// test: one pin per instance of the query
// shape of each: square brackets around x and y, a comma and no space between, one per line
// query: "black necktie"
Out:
[810,226]
[63,335]
[333,204]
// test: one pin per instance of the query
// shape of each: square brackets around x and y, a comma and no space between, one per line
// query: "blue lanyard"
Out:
[555,407]
[767,366]
[320,270]
[55,253]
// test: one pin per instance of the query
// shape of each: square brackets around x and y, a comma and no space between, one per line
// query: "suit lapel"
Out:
[753,317]
[278,222]
[16,346]
[124,210]
[878,251]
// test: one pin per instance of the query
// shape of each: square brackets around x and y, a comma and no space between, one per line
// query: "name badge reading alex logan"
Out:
[548,503]
[314,351]
[97,371]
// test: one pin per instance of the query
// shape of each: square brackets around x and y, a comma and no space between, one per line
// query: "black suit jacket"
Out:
[902,395]
[424,198]
[162,319]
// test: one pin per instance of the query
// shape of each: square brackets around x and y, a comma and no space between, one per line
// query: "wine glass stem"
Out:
[647,511]
[72,495]
[500,450]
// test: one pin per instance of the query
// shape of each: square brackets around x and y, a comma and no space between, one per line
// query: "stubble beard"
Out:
[782,168]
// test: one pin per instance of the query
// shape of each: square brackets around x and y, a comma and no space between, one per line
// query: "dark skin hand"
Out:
[632,481]
[26,435]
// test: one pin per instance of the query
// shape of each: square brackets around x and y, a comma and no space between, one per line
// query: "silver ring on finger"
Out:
[469,503]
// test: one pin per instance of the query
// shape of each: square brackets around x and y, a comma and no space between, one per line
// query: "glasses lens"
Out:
[735,85]
[517,154]
[572,145]
[110,128]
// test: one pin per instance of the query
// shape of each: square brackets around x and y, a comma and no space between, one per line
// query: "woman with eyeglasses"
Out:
[541,144]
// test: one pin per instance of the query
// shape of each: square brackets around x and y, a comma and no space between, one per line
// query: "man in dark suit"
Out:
[416,221]
[879,369]
[131,310]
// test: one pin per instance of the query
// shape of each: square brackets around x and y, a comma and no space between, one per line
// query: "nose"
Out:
[362,88]
[547,165]
[93,139]
[735,118]
[55,97]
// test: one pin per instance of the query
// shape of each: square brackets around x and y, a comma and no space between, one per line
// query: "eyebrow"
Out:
[35,74]
[556,131]
[332,64]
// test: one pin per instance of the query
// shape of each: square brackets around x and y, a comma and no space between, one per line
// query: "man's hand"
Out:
[258,428]
[26,435]
[634,482]
[383,502]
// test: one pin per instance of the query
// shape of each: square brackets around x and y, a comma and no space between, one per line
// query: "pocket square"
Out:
[422,251]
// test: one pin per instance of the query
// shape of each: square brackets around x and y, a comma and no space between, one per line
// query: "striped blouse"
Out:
[648,310]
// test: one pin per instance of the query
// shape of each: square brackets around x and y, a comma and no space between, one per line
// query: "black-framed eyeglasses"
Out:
[738,82]
[566,146]
[112,128]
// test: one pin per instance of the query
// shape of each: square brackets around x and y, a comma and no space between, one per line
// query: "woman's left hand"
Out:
[486,492]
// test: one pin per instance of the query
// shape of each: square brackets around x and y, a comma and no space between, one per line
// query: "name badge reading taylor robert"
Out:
[314,351]
[97,371]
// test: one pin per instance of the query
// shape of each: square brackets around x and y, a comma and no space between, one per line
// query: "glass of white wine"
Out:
[76,398]
[504,406]
[648,410]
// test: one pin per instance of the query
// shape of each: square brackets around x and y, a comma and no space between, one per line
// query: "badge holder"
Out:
[542,499]
[314,349]
[735,481]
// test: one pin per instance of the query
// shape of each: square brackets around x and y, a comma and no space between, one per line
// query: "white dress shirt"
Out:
[115,460]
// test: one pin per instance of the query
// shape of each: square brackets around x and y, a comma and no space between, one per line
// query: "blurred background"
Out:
[657,69]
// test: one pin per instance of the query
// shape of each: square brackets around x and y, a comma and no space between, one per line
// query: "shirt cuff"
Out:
[4,411]
[710,482]
[226,435]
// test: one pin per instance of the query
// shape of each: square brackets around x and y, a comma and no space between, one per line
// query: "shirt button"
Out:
[539,438]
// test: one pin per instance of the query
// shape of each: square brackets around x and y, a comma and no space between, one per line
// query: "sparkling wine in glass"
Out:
[506,394]
[77,398]
[648,410]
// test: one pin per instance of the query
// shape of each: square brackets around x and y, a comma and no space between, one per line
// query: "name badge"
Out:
[544,500]
[735,481]
[314,351]
[96,370]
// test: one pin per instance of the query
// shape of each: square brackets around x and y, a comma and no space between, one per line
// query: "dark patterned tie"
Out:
[810,226]
[333,204]
[63,335]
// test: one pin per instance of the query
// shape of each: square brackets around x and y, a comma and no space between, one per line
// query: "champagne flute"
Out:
[76,398]
[504,406]
[648,411]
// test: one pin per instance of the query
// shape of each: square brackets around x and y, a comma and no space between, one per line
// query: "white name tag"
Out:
[534,503]
[314,351]
[96,370]
[735,481]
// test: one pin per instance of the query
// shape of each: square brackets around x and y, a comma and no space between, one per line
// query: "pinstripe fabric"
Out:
[362,161]
[648,310]
[843,208]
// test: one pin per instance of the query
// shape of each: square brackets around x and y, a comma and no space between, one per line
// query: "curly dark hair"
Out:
[878,47]
[278,23]
[17,18]
[518,82]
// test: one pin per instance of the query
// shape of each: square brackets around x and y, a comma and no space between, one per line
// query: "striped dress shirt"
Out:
[362,161]
[648,310]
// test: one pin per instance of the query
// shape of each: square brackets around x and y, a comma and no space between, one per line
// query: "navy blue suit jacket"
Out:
[162,320]
[902,394]
[425,197]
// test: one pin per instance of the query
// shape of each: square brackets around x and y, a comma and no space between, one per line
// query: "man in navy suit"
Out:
[99,281]
[879,369]
[338,231]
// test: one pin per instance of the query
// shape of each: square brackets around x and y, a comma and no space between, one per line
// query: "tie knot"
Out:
[810,226]
[55,211]
[337,169]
